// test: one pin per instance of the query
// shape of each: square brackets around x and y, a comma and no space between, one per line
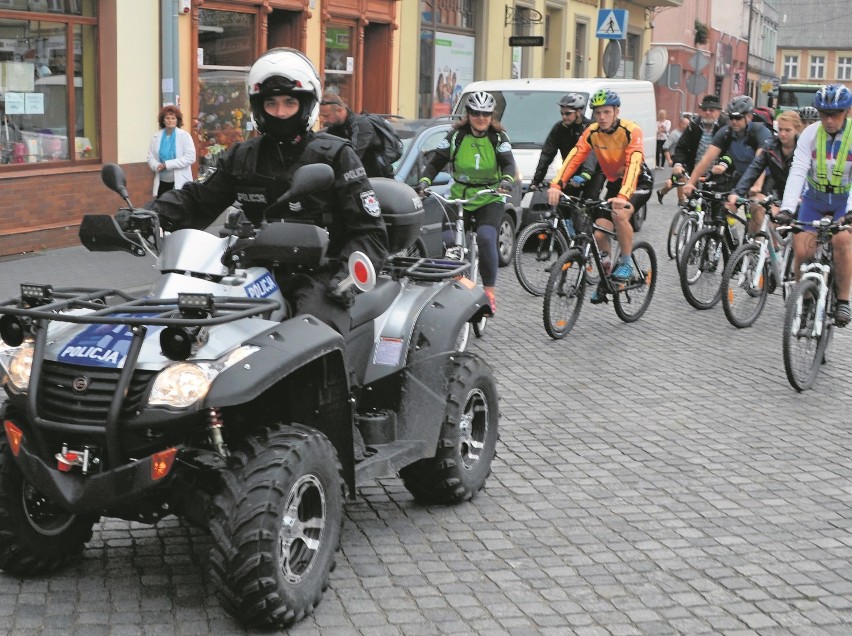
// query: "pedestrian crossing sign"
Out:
[612,24]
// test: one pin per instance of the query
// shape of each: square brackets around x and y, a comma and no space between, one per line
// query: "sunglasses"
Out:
[708,108]
[567,112]
[478,113]
[831,113]
[736,117]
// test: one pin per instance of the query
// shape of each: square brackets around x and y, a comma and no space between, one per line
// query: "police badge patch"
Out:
[370,203]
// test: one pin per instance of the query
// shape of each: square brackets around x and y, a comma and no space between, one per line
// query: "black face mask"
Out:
[283,129]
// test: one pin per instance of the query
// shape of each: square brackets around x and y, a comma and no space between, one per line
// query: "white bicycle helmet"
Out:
[284,71]
[575,101]
[481,101]
[808,113]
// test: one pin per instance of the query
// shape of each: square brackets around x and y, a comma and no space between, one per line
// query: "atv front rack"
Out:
[115,307]
[427,269]
[39,305]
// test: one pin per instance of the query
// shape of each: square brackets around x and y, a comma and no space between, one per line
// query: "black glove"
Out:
[534,186]
[122,217]
[783,217]
[420,189]
[505,185]
[847,220]
[343,297]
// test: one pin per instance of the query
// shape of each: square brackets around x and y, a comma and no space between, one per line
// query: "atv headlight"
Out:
[185,383]
[16,364]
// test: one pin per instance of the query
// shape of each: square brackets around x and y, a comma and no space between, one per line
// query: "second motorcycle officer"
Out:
[284,91]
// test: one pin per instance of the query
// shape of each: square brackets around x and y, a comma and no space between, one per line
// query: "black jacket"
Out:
[560,139]
[772,159]
[258,171]
[687,146]
[362,135]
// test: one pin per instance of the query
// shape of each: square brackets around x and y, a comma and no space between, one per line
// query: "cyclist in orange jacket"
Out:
[618,146]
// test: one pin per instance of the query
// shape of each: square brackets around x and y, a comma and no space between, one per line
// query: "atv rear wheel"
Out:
[468,439]
[36,536]
[276,526]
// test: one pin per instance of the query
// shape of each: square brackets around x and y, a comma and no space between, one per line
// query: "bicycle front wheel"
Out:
[744,287]
[631,299]
[701,266]
[473,274]
[678,220]
[538,247]
[563,295]
[685,232]
[803,348]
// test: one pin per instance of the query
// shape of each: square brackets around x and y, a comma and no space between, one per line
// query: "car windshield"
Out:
[515,111]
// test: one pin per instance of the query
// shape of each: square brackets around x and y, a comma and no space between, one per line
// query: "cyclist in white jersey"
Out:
[822,176]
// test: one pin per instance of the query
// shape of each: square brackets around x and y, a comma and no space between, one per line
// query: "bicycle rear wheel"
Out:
[803,348]
[631,299]
[563,295]
[701,266]
[538,247]
[744,289]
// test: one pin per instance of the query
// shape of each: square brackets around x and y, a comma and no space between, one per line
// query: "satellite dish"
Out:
[654,64]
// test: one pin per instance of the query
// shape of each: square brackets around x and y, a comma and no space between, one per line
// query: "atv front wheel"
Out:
[36,536]
[276,526]
[468,439]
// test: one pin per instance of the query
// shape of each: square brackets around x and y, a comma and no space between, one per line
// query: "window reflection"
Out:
[227,43]
[37,116]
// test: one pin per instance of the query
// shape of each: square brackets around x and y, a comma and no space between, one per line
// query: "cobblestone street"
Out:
[659,477]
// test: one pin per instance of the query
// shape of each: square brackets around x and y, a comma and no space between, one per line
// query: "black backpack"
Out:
[391,145]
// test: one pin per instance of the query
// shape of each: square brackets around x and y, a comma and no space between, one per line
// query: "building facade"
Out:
[82,81]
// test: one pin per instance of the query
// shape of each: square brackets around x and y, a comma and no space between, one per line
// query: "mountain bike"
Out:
[755,269]
[809,317]
[704,257]
[691,217]
[465,248]
[566,286]
[540,245]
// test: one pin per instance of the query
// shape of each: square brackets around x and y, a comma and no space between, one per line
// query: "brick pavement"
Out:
[653,478]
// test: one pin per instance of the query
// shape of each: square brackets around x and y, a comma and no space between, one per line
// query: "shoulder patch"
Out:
[504,146]
[444,143]
[370,203]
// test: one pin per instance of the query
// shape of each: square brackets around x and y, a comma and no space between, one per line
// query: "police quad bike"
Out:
[208,399]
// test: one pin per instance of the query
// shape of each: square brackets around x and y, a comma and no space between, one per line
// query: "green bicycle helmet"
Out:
[605,97]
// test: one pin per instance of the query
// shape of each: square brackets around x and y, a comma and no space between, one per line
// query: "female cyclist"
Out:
[772,163]
[481,154]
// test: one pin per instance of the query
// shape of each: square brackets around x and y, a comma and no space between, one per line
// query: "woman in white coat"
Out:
[172,152]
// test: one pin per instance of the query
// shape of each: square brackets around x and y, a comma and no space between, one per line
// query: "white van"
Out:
[528,109]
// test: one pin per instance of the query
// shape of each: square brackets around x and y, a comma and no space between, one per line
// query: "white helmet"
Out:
[284,71]
[480,101]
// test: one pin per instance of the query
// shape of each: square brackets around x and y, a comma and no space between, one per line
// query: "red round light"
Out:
[360,271]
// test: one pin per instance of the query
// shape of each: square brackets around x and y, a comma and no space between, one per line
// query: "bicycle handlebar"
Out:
[460,202]
[586,203]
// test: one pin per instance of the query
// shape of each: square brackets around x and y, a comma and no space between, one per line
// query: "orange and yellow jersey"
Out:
[619,152]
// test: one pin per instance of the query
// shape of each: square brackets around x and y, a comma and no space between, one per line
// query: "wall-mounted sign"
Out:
[526,40]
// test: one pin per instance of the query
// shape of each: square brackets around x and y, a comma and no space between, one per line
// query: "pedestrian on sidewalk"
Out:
[171,153]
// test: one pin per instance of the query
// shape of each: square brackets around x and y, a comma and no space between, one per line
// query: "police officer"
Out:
[284,92]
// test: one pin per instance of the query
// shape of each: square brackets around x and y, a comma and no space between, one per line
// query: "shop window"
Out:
[447,54]
[48,84]
[339,60]
[226,51]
